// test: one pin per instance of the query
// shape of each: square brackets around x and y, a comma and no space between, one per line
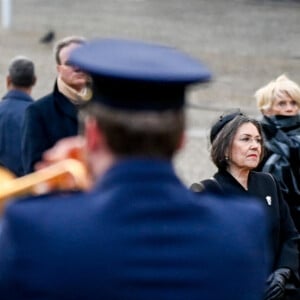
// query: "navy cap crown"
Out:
[137,75]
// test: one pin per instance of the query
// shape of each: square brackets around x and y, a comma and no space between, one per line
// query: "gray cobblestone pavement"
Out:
[245,43]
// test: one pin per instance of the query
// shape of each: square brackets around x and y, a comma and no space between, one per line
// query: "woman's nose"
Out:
[254,143]
[290,107]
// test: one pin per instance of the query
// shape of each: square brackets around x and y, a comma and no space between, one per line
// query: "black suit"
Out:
[46,121]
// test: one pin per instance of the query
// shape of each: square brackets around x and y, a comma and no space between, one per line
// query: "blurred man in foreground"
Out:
[139,233]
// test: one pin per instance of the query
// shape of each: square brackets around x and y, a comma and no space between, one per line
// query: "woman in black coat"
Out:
[237,149]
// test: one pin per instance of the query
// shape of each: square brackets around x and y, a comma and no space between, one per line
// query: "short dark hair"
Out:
[21,72]
[224,139]
[154,134]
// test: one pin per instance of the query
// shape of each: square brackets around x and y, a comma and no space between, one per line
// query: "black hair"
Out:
[21,72]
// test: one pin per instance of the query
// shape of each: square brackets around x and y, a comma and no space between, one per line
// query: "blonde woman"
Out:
[279,102]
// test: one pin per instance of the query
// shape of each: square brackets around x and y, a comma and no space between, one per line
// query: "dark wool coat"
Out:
[284,237]
[140,234]
[282,159]
[46,121]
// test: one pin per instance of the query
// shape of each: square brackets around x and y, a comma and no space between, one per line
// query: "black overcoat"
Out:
[282,158]
[46,121]
[284,237]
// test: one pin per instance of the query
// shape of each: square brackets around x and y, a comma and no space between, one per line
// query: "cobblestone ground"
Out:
[245,43]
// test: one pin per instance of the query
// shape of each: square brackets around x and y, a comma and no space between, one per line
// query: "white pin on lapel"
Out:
[269,200]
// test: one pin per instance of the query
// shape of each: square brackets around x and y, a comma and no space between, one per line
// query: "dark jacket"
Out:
[284,237]
[12,109]
[282,159]
[140,234]
[47,120]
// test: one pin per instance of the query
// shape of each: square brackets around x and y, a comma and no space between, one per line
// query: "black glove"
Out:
[276,284]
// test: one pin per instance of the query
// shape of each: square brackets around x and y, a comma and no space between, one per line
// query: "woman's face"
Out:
[283,105]
[246,148]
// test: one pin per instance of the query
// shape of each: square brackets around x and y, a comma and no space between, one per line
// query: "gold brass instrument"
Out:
[68,174]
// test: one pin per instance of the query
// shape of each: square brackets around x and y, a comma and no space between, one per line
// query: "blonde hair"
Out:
[266,95]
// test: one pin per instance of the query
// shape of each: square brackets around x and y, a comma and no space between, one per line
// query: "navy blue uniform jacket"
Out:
[140,234]
[47,120]
[12,109]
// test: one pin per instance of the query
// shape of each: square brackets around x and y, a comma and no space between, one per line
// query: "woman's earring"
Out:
[226,158]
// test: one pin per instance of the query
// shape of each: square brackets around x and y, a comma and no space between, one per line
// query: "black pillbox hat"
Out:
[222,121]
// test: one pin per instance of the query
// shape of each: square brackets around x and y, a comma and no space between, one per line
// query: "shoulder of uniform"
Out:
[40,204]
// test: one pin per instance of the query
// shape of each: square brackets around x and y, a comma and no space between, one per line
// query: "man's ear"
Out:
[8,81]
[34,80]
[93,135]
[182,141]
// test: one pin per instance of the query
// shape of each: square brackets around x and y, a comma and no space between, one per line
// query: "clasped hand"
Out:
[276,284]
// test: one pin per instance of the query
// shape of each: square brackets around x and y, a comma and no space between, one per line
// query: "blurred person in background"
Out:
[279,103]
[19,83]
[236,150]
[139,233]
[55,116]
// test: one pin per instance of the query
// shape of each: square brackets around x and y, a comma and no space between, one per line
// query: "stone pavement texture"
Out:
[245,43]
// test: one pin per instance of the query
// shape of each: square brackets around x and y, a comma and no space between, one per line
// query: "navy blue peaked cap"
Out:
[135,75]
